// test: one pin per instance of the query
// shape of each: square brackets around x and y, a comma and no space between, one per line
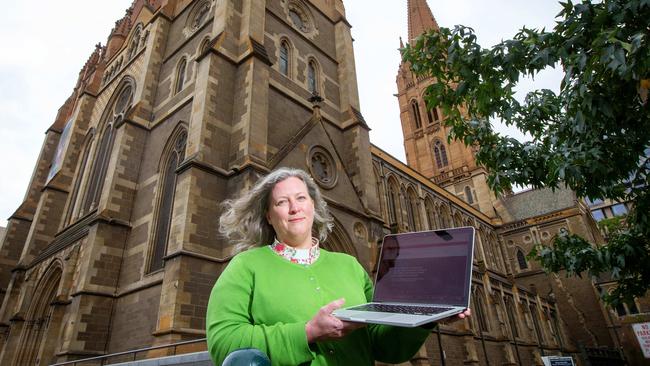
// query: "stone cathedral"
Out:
[115,245]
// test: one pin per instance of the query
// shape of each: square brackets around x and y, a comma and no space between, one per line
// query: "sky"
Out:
[45,47]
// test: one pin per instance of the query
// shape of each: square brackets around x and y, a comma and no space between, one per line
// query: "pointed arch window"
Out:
[521,259]
[166,202]
[135,42]
[498,254]
[534,314]
[40,321]
[481,317]
[104,149]
[205,45]
[312,77]
[412,210]
[81,169]
[99,169]
[180,75]
[417,119]
[468,195]
[284,58]
[445,217]
[510,310]
[430,211]
[440,153]
[433,115]
[393,199]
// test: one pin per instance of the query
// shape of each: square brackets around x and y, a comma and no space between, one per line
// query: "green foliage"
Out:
[590,136]
[612,225]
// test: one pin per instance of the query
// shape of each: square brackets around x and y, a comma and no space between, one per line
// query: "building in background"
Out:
[115,246]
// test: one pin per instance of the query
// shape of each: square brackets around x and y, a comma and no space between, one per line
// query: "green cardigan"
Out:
[262,300]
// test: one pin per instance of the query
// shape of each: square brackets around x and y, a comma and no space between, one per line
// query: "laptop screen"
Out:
[429,267]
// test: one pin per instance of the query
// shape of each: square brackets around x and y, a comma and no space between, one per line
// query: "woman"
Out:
[279,298]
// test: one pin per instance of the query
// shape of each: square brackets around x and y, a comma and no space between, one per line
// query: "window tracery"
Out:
[440,153]
[168,180]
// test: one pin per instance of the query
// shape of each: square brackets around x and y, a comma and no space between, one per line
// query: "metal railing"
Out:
[101,360]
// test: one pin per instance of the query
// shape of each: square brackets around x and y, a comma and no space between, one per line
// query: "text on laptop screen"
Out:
[426,267]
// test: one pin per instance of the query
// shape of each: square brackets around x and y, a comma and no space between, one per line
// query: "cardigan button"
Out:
[317,288]
[331,352]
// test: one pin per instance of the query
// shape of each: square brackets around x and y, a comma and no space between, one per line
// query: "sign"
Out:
[642,332]
[558,361]
[57,160]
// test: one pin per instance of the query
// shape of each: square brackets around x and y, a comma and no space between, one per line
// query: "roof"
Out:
[537,202]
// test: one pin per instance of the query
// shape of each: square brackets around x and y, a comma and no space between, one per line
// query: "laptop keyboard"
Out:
[402,309]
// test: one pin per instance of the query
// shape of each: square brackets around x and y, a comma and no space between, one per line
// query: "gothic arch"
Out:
[511,312]
[481,311]
[119,103]
[415,112]
[445,216]
[468,222]
[521,258]
[339,241]
[393,193]
[440,153]
[458,219]
[180,78]
[172,156]
[431,212]
[496,245]
[203,46]
[490,258]
[469,196]
[78,176]
[537,323]
[412,209]
[285,57]
[41,320]
[313,75]
[381,192]
[432,113]
[134,42]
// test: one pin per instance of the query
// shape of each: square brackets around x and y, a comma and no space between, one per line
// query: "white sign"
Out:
[557,361]
[642,332]
[57,160]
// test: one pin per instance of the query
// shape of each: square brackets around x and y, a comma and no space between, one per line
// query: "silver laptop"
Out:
[422,277]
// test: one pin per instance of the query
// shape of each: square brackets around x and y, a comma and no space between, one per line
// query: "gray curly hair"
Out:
[244,222]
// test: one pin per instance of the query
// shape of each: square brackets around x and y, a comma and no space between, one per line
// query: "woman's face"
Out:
[291,212]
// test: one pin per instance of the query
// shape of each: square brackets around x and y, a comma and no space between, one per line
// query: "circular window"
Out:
[322,167]
[123,100]
[200,16]
[299,18]
[296,18]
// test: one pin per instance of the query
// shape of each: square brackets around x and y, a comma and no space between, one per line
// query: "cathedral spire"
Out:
[420,18]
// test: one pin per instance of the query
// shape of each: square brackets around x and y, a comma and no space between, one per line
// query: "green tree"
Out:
[593,136]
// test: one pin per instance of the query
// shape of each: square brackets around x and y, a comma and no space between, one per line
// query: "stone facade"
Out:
[115,246]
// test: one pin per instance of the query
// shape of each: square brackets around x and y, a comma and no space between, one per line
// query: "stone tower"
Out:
[451,165]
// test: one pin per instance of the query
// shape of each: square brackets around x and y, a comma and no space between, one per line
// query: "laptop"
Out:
[422,277]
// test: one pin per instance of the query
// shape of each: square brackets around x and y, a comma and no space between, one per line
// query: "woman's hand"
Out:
[324,326]
[465,314]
